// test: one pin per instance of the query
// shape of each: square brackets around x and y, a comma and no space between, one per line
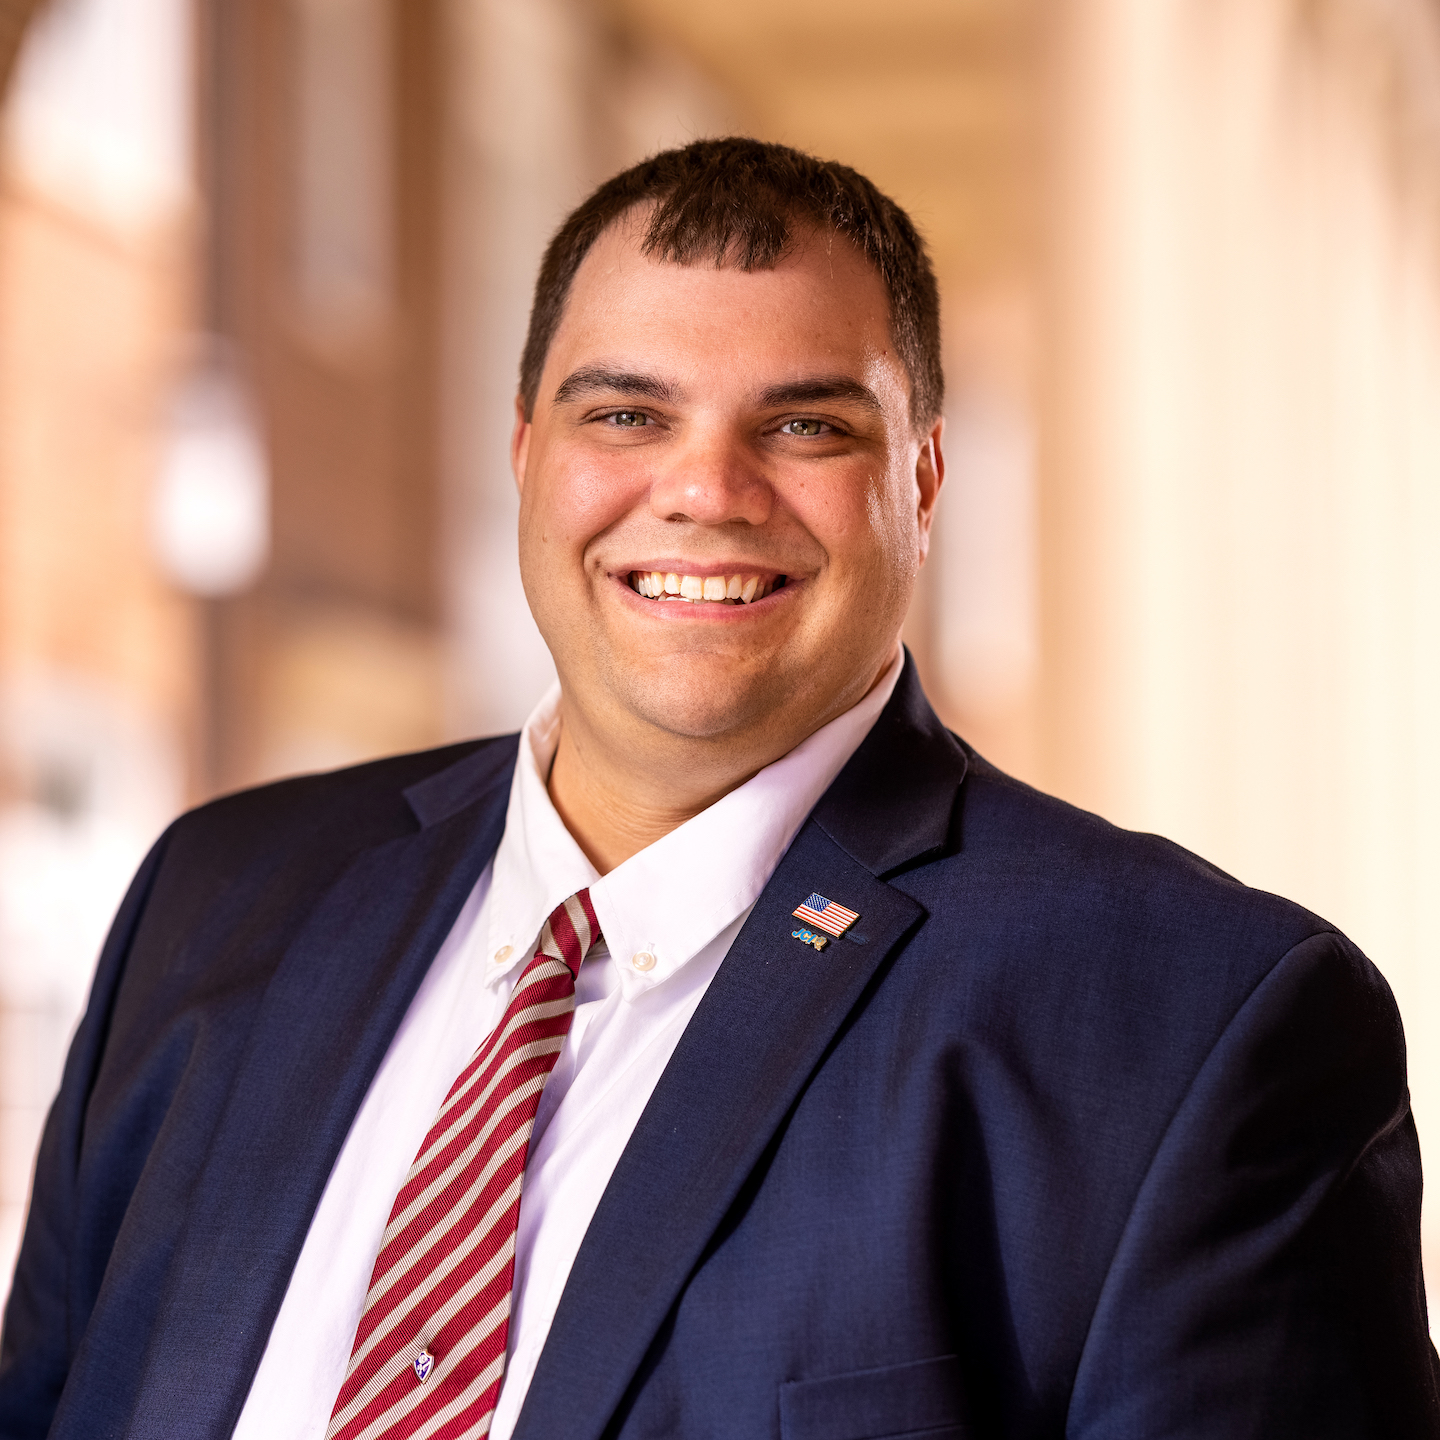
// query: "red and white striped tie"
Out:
[429,1351]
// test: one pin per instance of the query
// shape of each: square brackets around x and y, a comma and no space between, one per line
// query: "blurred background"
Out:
[264,275]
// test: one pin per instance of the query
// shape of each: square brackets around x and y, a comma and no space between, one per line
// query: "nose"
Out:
[714,480]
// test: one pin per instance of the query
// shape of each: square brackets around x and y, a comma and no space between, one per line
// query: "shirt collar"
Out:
[666,903]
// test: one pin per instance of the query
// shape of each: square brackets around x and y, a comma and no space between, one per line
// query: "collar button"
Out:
[503,954]
[643,960]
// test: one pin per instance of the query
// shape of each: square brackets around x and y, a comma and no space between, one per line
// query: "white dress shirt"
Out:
[669,915]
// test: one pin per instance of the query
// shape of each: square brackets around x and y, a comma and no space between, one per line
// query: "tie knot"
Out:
[571,931]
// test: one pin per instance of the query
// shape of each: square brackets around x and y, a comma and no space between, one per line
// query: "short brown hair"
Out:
[737,201]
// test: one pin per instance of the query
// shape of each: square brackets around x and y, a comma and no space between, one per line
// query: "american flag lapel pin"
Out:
[818,913]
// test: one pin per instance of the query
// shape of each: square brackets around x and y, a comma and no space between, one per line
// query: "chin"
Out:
[703,701]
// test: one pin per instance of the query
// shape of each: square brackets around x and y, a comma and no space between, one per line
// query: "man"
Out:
[829,1083]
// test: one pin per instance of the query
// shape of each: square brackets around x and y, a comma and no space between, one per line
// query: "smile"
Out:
[738,589]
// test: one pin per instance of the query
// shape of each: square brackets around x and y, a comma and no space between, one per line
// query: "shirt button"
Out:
[643,960]
[503,954]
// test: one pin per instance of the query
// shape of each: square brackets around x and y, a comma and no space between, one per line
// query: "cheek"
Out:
[857,518]
[892,523]
[832,504]
[580,496]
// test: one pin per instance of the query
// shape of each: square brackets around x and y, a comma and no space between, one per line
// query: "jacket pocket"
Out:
[922,1400]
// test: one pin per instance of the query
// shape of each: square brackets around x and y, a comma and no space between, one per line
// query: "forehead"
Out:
[822,304]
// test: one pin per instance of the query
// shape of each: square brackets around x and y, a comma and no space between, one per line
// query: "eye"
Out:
[803,427]
[629,418]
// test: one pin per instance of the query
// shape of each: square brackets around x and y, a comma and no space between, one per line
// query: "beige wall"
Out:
[100,671]
[1241,491]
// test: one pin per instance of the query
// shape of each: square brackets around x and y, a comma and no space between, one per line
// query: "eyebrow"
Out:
[819,389]
[593,378]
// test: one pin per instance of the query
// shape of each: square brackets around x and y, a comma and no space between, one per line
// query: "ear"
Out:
[929,476]
[520,444]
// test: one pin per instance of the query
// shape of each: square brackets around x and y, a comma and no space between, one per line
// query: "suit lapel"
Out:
[324,1025]
[764,1026]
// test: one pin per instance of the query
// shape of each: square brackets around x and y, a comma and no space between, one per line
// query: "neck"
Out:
[615,807]
[617,794]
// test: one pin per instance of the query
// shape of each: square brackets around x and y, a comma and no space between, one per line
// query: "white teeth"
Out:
[655,585]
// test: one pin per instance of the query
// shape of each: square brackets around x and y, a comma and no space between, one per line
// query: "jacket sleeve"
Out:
[40,1328]
[1268,1282]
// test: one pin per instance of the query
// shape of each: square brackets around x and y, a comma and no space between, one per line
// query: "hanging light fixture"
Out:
[211,518]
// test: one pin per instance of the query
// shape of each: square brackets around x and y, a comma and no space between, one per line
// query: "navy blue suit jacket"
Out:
[1074,1136]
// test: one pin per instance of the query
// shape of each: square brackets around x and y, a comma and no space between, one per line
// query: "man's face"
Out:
[747,434]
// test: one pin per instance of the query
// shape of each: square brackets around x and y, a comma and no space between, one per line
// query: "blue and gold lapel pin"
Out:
[822,914]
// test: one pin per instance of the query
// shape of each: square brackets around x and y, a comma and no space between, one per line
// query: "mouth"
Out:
[741,588]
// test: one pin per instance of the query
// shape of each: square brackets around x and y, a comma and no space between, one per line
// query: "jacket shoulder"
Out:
[1139,881]
[371,794]
[309,824]
[1102,946]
